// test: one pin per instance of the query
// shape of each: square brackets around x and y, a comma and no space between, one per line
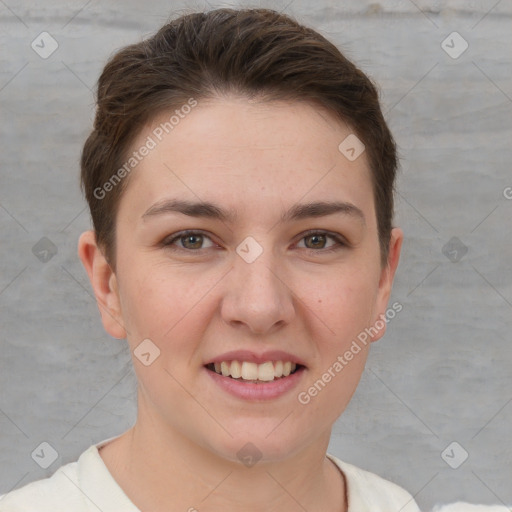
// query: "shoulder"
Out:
[367,491]
[79,486]
[54,494]
[468,507]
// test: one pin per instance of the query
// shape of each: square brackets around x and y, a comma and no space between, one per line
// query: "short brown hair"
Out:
[254,52]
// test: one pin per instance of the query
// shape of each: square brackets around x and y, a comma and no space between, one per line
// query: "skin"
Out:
[258,159]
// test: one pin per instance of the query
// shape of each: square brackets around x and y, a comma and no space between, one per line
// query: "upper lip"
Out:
[258,358]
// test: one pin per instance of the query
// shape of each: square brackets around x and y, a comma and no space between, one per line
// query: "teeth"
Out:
[265,372]
[224,368]
[236,370]
[249,371]
[278,369]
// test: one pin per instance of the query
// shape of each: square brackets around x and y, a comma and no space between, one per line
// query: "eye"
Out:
[318,239]
[188,240]
[194,241]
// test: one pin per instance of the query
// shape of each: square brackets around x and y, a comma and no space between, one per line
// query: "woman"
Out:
[240,180]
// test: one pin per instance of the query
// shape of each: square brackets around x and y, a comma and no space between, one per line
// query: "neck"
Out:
[160,469]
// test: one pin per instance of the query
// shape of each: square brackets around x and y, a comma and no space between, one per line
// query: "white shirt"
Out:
[87,486]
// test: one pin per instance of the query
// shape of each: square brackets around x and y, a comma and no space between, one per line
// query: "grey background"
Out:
[443,371]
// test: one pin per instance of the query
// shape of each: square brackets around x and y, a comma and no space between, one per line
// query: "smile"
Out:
[253,372]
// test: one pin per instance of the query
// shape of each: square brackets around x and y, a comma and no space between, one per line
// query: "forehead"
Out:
[235,150]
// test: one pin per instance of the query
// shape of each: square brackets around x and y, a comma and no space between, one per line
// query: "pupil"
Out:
[317,239]
[194,240]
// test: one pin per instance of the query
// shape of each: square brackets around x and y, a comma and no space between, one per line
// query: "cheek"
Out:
[344,309]
[344,303]
[164,304]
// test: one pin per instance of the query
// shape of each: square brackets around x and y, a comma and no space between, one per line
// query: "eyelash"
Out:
[340,241]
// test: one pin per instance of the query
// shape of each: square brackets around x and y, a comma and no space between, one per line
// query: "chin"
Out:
[249,448]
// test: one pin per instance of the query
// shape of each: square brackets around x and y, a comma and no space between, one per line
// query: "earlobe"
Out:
[386,282]
[104,283]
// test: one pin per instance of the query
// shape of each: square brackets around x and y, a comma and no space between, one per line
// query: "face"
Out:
[246,235]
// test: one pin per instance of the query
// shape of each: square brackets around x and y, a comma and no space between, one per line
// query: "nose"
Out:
[257,296]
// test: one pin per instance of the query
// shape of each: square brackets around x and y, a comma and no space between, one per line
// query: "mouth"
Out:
[250,372]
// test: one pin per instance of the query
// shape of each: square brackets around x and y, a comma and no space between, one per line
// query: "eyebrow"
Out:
[209,210]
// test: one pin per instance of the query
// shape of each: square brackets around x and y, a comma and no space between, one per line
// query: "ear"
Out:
[104,284]
[385,284]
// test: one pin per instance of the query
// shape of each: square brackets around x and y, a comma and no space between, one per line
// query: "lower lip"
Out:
[251,391]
